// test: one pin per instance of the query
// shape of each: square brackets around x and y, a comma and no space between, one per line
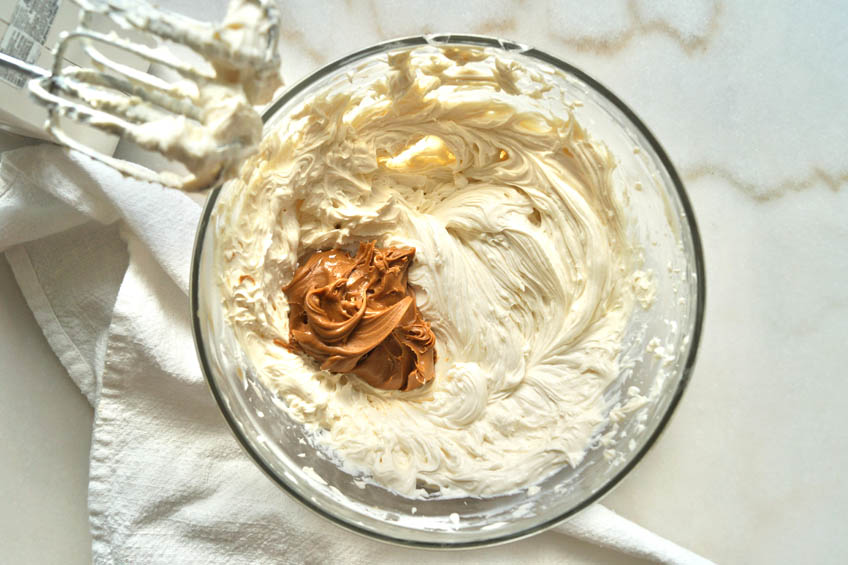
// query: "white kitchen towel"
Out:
[103,262]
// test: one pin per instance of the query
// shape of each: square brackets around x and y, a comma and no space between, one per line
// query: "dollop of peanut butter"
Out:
[358,315]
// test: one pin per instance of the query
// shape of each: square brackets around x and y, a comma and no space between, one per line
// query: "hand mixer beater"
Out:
[202,116]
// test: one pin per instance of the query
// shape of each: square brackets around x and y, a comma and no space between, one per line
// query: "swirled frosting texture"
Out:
[522,265]
[358,315]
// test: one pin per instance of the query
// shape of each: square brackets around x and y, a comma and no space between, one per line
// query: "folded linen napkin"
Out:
[103,263]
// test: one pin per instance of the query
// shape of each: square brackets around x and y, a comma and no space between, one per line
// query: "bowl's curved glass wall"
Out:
[657,358]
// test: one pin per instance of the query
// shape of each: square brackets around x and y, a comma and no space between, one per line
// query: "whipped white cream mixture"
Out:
[522,266]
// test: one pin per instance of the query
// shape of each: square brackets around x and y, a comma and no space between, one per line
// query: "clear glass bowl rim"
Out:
[508,45]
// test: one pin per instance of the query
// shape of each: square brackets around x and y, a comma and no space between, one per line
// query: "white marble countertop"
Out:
[748,100]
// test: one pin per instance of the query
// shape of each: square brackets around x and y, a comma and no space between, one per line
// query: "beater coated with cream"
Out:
[522,266]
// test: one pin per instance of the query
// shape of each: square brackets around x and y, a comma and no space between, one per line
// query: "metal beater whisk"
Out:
[204,119]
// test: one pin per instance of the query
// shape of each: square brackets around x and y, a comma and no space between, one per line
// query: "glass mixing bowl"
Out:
[657,356]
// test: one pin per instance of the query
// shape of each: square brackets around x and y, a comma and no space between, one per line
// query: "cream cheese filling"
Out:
[522,266]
